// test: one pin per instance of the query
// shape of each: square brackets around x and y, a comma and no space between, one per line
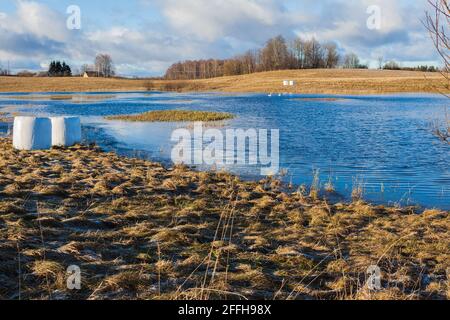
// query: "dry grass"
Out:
[75,84]
[308,81]
[180,234]
[4,117]
[174,116]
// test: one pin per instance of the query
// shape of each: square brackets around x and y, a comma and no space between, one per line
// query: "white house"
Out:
[90,74]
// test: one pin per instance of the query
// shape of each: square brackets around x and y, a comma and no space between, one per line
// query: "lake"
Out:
[383,143]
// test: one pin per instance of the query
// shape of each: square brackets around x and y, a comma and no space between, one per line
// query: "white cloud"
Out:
[31,35]
[214,19]
[401,36]
[129,46]
[36,19]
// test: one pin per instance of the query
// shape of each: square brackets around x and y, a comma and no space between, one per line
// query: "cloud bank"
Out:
[33,33]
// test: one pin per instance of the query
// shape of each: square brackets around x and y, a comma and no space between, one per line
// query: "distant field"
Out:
[75,84]
[308,81]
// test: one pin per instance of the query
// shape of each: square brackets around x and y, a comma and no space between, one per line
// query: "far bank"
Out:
[317,81]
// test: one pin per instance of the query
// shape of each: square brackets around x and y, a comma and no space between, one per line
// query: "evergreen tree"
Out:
[66,71]
[58,69]
[51,69]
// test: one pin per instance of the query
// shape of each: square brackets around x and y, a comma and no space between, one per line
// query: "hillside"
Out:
[329,81]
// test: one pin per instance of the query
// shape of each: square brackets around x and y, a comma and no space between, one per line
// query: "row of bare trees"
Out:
[198,69]
[4,71]
[103,66]
[277,54]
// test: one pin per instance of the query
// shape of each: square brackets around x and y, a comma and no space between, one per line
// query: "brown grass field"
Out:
[140,231]
[308,81]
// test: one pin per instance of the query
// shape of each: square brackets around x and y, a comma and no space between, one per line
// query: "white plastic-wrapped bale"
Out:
[66,131]
[32,133]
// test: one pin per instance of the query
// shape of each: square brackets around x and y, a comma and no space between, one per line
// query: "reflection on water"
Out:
[79,98]
[383,142]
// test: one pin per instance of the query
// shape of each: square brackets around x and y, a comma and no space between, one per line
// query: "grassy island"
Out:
[174,116]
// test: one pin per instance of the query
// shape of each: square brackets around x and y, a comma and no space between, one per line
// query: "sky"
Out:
[144,37]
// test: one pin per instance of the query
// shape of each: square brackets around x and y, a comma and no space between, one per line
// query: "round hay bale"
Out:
[32,133]
[66,131]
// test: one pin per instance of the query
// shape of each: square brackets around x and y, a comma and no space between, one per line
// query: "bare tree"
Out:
[351,61]
[232,67]
[380,60]
[438,24]
[331,55]
[3,71]
[250,60]
[104,65]
[297,48]
[314,54]
[275,55]
[84,68]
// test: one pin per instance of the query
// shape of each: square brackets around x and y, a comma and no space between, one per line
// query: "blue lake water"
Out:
[384,143]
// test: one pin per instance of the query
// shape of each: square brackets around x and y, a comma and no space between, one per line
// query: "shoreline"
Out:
[115,147]
[141,231]
[305,96]
[316,81]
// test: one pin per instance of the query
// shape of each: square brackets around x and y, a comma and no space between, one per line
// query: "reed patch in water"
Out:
[174,116]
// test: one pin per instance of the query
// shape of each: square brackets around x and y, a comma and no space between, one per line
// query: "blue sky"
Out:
[145,36]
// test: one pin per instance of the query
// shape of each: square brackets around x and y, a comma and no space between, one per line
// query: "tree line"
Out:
[277,54]
[4,71]
[59,69]
[103,67]
[392,65]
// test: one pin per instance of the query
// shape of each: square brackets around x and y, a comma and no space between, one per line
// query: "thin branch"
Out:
[438,25]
